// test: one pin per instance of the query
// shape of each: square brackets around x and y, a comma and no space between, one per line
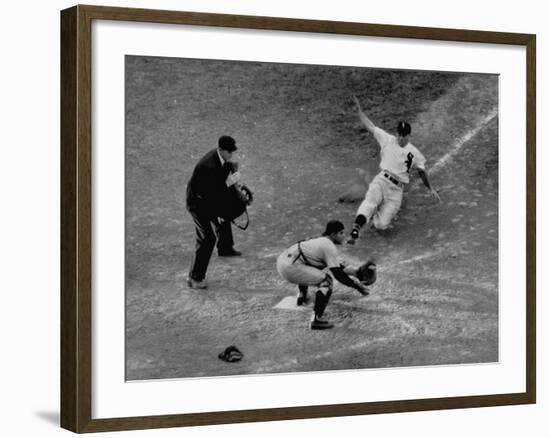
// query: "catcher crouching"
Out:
[314,262]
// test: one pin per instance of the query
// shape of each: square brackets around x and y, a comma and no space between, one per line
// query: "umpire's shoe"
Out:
[229,252]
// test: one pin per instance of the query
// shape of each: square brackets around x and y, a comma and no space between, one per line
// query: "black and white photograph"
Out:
[275,219]
[293,218]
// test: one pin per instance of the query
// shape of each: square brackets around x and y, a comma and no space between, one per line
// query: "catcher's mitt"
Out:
[366,273]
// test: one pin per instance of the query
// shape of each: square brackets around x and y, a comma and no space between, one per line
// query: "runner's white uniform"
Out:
[385,193]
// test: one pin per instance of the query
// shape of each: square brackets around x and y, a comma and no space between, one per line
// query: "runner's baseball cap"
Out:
[403,129]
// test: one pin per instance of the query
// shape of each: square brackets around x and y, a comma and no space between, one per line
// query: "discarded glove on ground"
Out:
[231,354]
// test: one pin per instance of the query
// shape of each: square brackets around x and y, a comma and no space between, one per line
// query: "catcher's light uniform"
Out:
[308,262]
[385,193]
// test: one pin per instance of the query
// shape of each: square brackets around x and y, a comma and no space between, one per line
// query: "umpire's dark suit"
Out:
[205,192]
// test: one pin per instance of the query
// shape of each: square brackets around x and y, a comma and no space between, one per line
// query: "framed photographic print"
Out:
[319,217]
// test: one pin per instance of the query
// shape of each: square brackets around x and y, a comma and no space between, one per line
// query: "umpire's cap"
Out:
[332,227]
[227,143]
[403,129]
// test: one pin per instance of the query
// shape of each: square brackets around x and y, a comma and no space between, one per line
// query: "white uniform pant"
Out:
[296,272]
[382,202]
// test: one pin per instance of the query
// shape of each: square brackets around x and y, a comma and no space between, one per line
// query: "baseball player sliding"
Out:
[385,193]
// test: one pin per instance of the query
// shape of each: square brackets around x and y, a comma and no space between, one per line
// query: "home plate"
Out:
[289,303]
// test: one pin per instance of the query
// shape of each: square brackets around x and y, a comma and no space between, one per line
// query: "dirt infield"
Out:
[301,147]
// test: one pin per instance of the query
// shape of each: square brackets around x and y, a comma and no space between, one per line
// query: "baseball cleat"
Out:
[302,298]
[320,325]
[229,253]
[194,284]
[353,236]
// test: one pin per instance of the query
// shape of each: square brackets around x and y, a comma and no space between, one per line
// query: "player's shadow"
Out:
[388,233]
[51,417]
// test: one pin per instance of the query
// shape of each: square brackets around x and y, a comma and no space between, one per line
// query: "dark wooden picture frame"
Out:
[76,218]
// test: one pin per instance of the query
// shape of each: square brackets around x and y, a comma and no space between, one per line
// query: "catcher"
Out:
[314,262]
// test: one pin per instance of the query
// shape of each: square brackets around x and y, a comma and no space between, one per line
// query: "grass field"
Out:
[301,147]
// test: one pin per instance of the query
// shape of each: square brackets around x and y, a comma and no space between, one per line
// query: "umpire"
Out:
[206,191]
